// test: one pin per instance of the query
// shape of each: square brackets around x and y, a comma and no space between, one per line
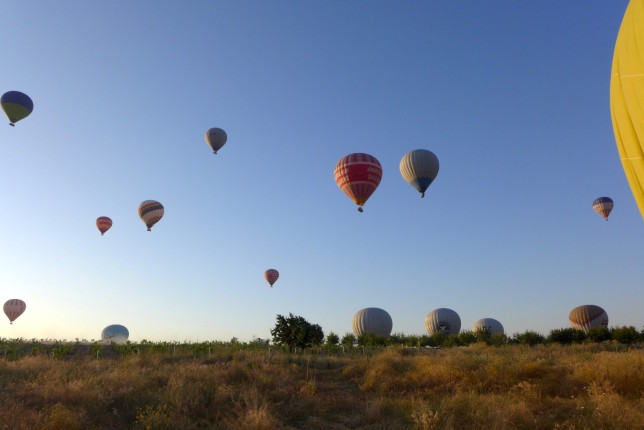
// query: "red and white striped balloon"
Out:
[271,276]
[358,175]
[103,224]
[14,308]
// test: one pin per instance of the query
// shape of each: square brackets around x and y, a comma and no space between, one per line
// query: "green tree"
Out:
[466,337]
[598,334]
[625,335]
[348,340]
[332,339]
[566,336]
[528,337]
[295,331]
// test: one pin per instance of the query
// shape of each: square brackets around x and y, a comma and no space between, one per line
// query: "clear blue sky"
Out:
[513,98]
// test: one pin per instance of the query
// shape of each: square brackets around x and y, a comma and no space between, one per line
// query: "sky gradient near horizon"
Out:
[513,98]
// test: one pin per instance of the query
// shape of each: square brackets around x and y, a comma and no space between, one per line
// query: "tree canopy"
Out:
[295,331]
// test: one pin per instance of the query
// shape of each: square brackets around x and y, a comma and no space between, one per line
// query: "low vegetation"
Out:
[528,382]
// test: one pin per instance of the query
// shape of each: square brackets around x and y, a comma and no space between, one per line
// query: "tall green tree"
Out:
[296,332]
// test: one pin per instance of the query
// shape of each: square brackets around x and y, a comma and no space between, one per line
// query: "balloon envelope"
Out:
[216,138]
[16,105]
[443,320]
[358,175]
[372,320]
[491,324]
[587,316]
[115,333]
[419,168]
[271,276]
[14,308]
[603,206]
[626,95]
[150,212]
[103,224]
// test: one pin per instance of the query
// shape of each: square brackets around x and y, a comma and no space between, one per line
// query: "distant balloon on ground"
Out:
[103,224]
[419,168]
[13,309]
[603,206]
[271,276]
[216,138]
[626,96]
[150,212]
[491,324]
[358,175]
[16,106]
[443,320]
[115,333]
[372,320]
[588,316]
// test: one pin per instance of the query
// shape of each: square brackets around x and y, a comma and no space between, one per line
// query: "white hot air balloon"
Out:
[115,333]
[372,320]
[491,324]
[443,320]
[419,168]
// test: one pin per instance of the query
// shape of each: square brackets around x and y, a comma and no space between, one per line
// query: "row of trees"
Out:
[296,332]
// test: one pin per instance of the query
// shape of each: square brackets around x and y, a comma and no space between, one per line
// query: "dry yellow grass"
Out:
[564,387]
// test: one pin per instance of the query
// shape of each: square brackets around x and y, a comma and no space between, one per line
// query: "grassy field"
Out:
[587,386]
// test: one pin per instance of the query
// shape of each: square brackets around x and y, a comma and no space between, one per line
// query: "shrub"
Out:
[598,334]
[332,339]
[348,340]
[528,338]
[566,336]
[466,338]
[370,339]
[625,335]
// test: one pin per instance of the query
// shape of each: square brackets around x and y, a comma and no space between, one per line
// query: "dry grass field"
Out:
[590,386]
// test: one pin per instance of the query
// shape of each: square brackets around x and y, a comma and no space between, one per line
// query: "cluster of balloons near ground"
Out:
[442,320]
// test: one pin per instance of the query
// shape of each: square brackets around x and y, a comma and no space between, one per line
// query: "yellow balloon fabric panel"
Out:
[627,97]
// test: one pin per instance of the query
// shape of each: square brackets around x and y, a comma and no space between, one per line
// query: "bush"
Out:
[625,335]
[498,340]
[566,336]
[348,340]
[466,338]
[528,338]
[598,334]
[370,339]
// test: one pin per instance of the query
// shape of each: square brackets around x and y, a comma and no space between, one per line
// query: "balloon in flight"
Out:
[627,95]
[13,309]
[372,320]
[603,206]
[150,212]
[115,333]
[419,168]
[216,138]
[490,324]
[443,320]
[16,106]
[103,224]
[271,276]
[358,175]
[588,316]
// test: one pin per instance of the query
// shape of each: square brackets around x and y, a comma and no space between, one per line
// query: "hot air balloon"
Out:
[419,168]
[372,320]
[216,138]
[626,95]
[587,316]
[14,308]
[603,206]
[443,320]
[150,212]
[358,176]
[491,324]
[16,106]
[103,224]
[271,276]
[115,333]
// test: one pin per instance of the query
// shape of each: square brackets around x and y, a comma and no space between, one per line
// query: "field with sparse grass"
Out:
[588,386]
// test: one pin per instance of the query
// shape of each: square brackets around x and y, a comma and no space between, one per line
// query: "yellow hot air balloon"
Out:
[627,96]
